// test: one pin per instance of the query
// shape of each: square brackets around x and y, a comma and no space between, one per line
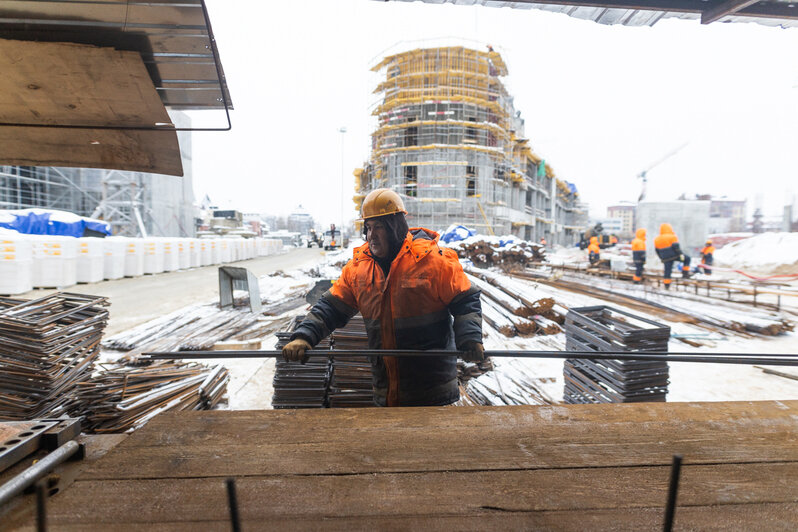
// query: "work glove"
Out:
[473,352]
[294,351]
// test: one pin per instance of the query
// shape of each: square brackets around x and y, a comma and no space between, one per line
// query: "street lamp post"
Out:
[342,131]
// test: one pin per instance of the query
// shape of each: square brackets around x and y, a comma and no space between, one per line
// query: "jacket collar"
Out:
[419,242]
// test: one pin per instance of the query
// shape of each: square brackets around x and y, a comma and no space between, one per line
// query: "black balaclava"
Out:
[396,227]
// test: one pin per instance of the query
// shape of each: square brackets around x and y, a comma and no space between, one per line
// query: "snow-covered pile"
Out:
[487,251]
[763,253]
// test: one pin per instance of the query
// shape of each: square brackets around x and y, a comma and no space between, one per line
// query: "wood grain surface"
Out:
[573,467]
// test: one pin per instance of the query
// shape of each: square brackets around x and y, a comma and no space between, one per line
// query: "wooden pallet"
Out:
[572,467]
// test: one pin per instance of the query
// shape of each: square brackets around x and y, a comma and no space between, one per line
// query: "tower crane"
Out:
[643,175]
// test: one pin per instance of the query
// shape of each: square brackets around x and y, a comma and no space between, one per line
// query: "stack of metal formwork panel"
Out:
[47,346]
[351,384]
[603,328]
[301,385]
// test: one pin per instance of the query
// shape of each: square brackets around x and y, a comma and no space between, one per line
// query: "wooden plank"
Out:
[431,494]
[362,440]
[218,428]
[71,84]
[771,517]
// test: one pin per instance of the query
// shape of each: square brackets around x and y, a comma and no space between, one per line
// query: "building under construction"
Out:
[133,203]
[450,141]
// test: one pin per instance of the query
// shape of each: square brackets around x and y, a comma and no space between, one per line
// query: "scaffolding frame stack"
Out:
[450,142]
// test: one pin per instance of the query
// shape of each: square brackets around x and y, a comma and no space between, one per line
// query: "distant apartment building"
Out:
[725,215]
[626,213]
[451,143]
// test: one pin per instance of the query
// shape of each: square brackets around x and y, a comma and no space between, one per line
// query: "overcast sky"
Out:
[601,103]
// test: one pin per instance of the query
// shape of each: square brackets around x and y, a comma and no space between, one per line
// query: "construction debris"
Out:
[47,345]
[122,398]
[489,253]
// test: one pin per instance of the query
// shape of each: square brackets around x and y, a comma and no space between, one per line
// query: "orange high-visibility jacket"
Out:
[666,244]
[411,308]
[639,246]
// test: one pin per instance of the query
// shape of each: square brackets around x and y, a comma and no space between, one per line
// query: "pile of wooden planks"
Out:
[47,345]
[122,398]
[514,309]
[563,467]
[488,253]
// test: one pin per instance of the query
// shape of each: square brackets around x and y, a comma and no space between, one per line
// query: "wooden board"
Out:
[72,84]
[574,467]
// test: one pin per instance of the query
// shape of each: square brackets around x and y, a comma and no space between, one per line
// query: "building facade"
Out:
[450,142]
[133,203]
[625,213]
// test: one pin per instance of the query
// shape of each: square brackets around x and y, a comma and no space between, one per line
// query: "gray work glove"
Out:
[294,351]
[473,352]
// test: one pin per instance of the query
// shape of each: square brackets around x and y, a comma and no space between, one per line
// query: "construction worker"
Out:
[639,254]
[593,251]
[543,241]
[707,258]
[408,289]
[666,244]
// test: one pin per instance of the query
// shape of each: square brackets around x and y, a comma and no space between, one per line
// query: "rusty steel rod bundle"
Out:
[768,359]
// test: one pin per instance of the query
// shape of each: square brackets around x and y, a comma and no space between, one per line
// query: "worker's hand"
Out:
[681,258]
[294,351]
[473,352]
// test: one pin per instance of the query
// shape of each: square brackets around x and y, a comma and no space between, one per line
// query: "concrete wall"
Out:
[689,220]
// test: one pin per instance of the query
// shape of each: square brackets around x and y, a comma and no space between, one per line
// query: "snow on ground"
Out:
[768,253]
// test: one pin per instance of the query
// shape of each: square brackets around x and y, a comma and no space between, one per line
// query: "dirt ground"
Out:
[139,299]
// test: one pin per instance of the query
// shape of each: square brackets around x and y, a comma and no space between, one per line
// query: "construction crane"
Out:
[643,175]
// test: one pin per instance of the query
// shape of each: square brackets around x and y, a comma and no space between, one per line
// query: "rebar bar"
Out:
[768,359]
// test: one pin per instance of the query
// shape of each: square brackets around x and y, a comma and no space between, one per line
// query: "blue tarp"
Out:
[571,187]
[455,233]
[42,222]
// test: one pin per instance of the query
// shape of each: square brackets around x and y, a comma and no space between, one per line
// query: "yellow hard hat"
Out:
[380,202]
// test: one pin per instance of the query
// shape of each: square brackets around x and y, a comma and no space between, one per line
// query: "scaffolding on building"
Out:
[449,140]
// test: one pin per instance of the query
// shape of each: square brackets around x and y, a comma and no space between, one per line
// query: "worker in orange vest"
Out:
[613,240]
[707,258]
[666,244]
[639,254]
[593,251]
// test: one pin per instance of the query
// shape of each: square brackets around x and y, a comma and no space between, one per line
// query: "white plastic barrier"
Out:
[207,251]
[91,260]
[194,252]
[153,255]
[16,263]
[134,256]
[252,248]
[183,253]
[225,251]
[114,258]
[269,246]
[55,260]
[171,258]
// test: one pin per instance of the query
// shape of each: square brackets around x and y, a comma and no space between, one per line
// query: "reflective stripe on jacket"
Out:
[410,309]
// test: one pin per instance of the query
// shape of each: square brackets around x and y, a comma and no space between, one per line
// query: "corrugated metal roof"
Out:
[782,13]
[172,36]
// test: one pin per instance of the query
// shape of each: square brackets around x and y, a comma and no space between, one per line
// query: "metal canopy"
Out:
[174,38]
[782,13]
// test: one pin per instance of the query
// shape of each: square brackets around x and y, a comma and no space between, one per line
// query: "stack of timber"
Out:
[489,253]
[350,385]
[122,398]
[301,385]
[47,345]
[562,467]
[603,328]
[514,309]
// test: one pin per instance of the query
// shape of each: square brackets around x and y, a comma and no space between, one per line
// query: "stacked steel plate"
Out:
[603,328]
[121,397]
[301,385]
[47,345]
[350,385]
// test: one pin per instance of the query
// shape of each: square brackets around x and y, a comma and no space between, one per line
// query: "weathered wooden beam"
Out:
[729,7]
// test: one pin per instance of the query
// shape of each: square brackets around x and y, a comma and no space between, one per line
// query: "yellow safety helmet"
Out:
[380,202]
